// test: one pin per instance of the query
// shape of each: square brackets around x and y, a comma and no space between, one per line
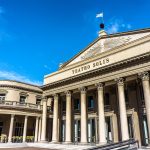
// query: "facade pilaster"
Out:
[44,120]
[122,109]
[36,129]
[83,116]
[25,128]
[146,89]
[55,137]
[11,128]
[68,117]
[102,136]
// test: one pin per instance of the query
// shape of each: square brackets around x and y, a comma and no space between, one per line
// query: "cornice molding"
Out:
[20,88]
[100,71]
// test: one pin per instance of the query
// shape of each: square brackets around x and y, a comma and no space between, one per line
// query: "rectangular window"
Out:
[2,97]
[76,104]
[106,99]
[126,96]
[22,99]
[38,101]
[63,105]
[90,102]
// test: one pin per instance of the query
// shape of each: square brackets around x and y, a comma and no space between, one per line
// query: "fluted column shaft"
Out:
[55,137]
[25,128]
[83,116]
[68,117]
[122,108]
[36,129]
[146,90]
[102,136]
[11,128]
[39,133]
[44,120]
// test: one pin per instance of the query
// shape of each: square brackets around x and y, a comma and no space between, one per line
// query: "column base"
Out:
[43,141]
[54,142]
[68,143]
[101,143]
[83,143]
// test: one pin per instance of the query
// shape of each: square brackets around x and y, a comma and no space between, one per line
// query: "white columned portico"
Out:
[102,136]
[55,137]
[83,116]
[36,129]
[11,128]
[146,88]
[44,120]
[25,128]
[39,133]
[68,117]
[122,109]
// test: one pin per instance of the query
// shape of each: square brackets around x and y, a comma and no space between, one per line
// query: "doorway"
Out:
[145,131]
[77,131]
[91,130]
[108,129]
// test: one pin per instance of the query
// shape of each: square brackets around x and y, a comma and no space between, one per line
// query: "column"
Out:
[11,128]
[25,128]
[55,137]
[101,116]
[36,129]
[68,117]
[83,116]
[44,120]
[39,133]
[146,89]
[122,108]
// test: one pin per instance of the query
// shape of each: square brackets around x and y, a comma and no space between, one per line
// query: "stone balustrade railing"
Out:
[24,105]
[19,104]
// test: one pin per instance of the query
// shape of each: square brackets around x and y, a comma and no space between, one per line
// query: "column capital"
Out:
[12,115]
[144,75]
[26,117]
[120,81]
[99,86]
[83,90]
[55,95]
[44,99]
[68,93]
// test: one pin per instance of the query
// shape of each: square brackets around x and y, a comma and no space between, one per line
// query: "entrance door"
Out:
[145,131]
[19,129]
[91,130]
[130,126]
[1,128]
[108,131]
[63,130]
[77,130]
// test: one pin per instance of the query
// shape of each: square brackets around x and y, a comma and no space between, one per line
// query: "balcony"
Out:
[18,105]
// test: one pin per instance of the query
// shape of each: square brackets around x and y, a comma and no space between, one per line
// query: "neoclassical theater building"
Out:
[101,95]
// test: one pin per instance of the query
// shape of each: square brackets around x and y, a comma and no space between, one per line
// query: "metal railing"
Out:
[16,139]
[124,145]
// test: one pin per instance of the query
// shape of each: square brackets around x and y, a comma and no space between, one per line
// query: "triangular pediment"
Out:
[107,43]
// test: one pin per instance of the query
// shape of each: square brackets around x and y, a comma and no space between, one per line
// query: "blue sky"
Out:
[37,35]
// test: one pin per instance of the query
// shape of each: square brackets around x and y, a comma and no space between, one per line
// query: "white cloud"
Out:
[115,25]
[15,76]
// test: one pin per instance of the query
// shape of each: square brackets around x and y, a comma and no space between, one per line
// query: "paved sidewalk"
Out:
[26,148]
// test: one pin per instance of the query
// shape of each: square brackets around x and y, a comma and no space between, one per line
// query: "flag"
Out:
[99,15]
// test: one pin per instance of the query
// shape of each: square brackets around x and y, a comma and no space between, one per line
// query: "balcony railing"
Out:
[24,105]
[18,104]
